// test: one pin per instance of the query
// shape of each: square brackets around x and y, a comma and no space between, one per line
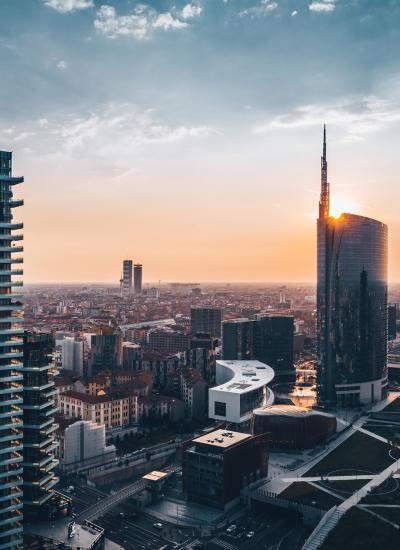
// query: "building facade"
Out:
[83,445]
[268,338]
[126,288]
[351,306]
[39,406]
[242,387]
[207,320]
[218,465]
[11,365]
[392,321]
[290,427]
[137,279]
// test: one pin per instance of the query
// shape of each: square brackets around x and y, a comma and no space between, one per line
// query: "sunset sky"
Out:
[187,136]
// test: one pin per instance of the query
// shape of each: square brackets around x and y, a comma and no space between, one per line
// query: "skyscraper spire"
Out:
[324,197]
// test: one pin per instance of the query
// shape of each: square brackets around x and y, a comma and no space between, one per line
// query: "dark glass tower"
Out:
[268,339]
[11,365]
[137,278]
[351,304]
[39,408]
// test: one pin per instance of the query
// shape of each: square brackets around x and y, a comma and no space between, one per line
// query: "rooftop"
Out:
[244,376]
[289,410]
[155,476]
[222,438]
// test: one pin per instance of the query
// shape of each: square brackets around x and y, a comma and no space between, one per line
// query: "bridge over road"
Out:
[100,508]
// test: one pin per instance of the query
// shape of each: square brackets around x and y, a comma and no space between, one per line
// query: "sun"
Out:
[341,205]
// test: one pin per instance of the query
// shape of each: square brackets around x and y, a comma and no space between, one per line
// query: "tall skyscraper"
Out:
[126,278]
[392,321]
[351,305]
[11,365]
[268,339]
[40,442]
[137,278]
[206,319]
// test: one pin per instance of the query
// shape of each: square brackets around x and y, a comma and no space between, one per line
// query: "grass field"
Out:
[307,494]
[344,488]
[358,453]
[358,530]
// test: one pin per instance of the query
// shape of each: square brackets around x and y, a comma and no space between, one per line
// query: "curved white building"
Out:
[242,388]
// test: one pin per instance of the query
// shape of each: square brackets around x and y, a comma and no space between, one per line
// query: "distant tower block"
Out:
[137,282]
[127,278]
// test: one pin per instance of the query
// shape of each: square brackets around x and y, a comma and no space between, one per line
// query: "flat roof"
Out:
[155,475]
[57,530]
[222,438]
[245,376]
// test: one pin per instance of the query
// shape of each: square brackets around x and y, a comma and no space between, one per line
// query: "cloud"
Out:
[191,10]
[264,7]
[66,6]
[61,65]
[357,116]
[113,130]
[143,21]
[326,6]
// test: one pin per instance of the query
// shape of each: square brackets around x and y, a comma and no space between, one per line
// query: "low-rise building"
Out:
[218,465]
[83,445]
[242,388]
[115,409]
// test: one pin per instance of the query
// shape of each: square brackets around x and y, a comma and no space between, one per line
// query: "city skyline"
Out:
[188,135]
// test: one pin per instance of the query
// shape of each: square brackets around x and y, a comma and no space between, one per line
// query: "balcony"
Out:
[11,331]
[11,248]
[11,237]
[15,203]
[10,283]
[12,180]
[11,226]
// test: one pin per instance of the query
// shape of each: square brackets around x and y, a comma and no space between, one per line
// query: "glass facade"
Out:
[352,310]
[268,339]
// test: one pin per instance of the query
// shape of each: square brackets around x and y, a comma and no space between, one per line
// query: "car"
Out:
[231,529]
[250,534]
[157,525]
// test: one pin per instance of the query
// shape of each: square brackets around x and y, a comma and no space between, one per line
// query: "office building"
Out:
[137,279]
[11,365]
[392,321]
[83,445]
[268,339]
[351,305]
[242,387]
[168,340]
[72,355]
[218,465]
[206,319]
[105,350]
[126,287]
[290,427]
[131,354]
[39,407]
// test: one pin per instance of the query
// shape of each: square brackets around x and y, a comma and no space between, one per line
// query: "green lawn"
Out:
[344,488]
[307,494]
[358,453]
[358,530]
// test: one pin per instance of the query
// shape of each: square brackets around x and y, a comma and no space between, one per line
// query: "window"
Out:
[219,408]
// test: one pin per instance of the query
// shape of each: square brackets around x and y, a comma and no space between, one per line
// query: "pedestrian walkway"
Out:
[327,478]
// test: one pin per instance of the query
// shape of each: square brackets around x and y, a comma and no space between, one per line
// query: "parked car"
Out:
[250,534]
[157,525]
[231,529]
